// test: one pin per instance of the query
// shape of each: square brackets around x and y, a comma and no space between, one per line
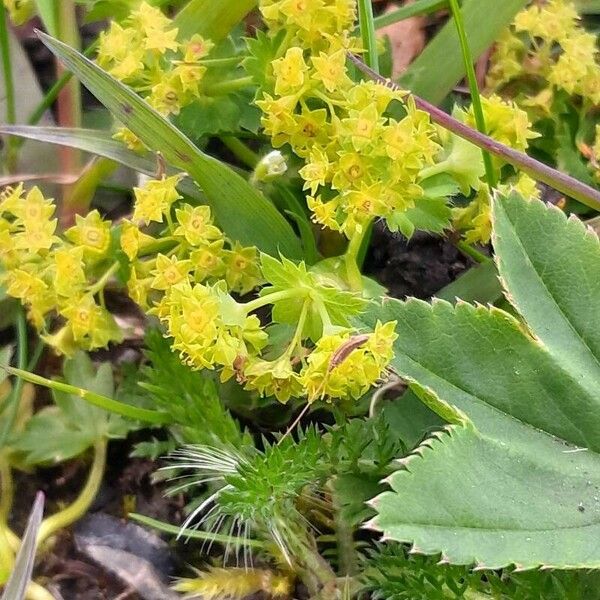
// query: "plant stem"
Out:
[475,95]
[6,490]
[270,299]
[36,592]
[472,252]
[367,33]
[194,533]
[9,88]
[229,86]
[83,190]
[69,109]
[351,259]
[120,408]
[99,285]
[240,150]
[79,507]
[13,401]
[344,535]
[534,168]
[423,7]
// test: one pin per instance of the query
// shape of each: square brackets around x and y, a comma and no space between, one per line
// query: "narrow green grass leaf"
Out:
[367,33]
[102,144]
[16,587]
[423,7]
[212,19]
[439,67]
[239,208]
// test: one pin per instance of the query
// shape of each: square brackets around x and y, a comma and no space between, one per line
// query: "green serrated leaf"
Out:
[550,267]
[239,208]
[519,482]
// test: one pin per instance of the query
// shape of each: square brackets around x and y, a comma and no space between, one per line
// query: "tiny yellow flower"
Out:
[208,261]
[196,225]
[91,232]
[169,271]
[196,48]
[155,198]
[330,70]
[69,276]
[242,269]
[133,240]
[290,71]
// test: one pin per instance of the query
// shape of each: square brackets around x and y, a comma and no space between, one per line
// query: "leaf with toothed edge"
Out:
[516,478]
[239,208]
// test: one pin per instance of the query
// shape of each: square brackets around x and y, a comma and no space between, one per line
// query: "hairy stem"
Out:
[475,95]
[270,299]
[351,258]
[344,535]
[79,507]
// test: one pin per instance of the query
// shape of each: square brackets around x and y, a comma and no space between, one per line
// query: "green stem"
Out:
[222,62]
[194,533]
[344,535]
[472,252]
[120,408]
[351,259]
[6,490]
[69,109]
[101,283]
[367,32]
[227,87]
[240,150]
[473,86]
[80,506]
[82,192]
[423,7]
[13,401]
[270,299]
[9,87]
[36,592]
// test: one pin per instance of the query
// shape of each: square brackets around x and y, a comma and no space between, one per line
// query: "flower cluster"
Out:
[210,329]
[144,53]
[363,145]
[346,364]
[20,11]
[195,250]
[547,44]
[59,279]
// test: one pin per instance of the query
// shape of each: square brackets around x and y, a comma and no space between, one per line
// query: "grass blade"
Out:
[239,208]
[439,67]
[20,577]
[367,33]
[424,7]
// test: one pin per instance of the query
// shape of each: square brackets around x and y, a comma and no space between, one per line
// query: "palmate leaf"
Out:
[516,478]
[240,209]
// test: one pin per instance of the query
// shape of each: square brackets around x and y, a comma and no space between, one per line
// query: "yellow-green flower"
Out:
[92,233]
[155,198]
[196,225]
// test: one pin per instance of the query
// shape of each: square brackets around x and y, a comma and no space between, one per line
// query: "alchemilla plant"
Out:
[319,433]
